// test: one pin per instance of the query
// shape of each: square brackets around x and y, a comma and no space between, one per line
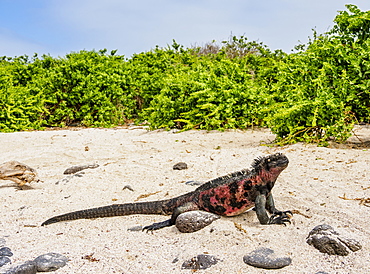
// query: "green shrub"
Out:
[320,92]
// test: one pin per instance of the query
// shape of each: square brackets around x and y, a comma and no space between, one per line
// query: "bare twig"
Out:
[363,201]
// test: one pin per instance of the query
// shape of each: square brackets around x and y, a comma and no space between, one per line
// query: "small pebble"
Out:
[5,251]
[180,166]
[75,169]
[50,262]
[265,258]
[4,260]
[135,228]
[327,240]
[175,260]
[195,220]
[202,261]
[193,183]
[28,267]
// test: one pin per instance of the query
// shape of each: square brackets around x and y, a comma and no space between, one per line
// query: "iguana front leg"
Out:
[278,217]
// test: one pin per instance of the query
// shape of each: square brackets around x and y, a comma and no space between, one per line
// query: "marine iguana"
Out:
[228,195]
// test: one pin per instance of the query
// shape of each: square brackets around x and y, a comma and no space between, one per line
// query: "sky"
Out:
[59,27]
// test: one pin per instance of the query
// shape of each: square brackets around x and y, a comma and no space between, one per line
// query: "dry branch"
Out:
[18,173]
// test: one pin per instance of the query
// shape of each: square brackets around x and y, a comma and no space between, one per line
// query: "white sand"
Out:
[312,184]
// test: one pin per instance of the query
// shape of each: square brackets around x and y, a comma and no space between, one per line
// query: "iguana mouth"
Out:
[280,160]
[283,162]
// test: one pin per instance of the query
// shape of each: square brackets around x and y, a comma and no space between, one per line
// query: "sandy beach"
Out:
[311,185]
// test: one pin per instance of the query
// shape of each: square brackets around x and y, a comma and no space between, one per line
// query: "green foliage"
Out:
[312,95]
[86,88]
[215,96]
[211,89]
[322,91]
[352,26]
[19,108]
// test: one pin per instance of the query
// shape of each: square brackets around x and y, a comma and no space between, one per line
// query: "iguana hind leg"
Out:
[176,212]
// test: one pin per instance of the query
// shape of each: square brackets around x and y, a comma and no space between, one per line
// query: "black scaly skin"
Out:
[229,195]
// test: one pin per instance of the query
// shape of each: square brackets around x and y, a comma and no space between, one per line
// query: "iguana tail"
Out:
[155,207]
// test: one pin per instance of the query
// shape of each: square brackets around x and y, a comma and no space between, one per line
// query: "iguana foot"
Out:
[281,217]
[159,225]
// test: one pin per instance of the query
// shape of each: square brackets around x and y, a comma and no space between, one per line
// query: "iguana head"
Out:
[268,168]
[273,163]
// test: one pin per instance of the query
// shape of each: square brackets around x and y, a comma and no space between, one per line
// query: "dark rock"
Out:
[352,244]
[75,169]
[195,220]
[28,267]
[194,183]
[4,260]
[265,258]
[327,244]
[180,166]
[5,251]
[327,240]
[323,229]
[202,261]
[50,262]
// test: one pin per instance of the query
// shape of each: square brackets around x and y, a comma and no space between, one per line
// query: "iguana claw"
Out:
[281,217]
[156,226]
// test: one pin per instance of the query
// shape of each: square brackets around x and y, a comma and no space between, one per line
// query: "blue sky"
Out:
[58,27]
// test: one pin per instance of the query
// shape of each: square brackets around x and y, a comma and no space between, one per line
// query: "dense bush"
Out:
[20,107]
[85,87]
[315,93]
[322,90]
[209,92]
